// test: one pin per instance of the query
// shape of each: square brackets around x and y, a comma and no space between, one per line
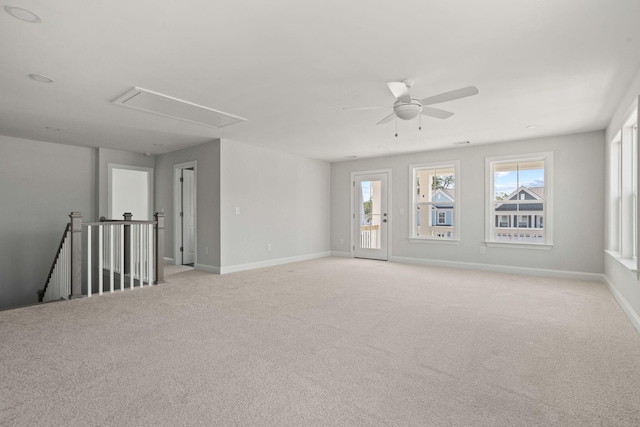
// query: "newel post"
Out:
[159,248]
[127,243]
[76,255]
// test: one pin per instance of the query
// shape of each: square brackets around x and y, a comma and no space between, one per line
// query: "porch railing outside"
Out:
[369,236]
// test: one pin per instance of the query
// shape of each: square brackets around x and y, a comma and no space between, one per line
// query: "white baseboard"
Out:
[624,304]
[341,254]
[207,268]
[167,259]
[561,274]
[271,262]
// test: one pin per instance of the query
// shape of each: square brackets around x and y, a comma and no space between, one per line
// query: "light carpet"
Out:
[327,342]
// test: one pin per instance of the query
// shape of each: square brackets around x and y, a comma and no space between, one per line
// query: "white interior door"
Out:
[370,216]
[188,217]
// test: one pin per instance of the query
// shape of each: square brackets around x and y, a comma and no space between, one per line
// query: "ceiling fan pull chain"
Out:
[396,126]
[420,119]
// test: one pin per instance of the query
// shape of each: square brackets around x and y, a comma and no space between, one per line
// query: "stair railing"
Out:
[58,284]
[129,251]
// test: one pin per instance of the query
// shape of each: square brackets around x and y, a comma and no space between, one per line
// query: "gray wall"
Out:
[207,202]
[40,184]
[578,213]
[283,200]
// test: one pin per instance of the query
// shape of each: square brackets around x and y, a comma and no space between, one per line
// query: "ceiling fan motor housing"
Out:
[407,110]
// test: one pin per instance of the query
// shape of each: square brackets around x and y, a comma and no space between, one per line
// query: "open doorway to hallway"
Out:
[185,191]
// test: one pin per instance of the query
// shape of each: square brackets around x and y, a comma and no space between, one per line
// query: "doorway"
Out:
[370,215]
[185,214]
[129,189]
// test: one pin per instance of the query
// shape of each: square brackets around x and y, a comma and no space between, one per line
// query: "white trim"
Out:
[561,274]
[547,157]
[271,262]
[176,207]
[167,259]
[389,208]
[519,245]
[150,195]
[628,263]
[434,240]
[624,304]
[413,221]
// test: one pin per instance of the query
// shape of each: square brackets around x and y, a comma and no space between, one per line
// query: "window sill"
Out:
[629,263]
[520,245]
[434,240]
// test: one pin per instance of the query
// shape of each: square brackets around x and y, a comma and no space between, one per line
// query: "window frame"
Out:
[413,217]
[623,238]
[490,214]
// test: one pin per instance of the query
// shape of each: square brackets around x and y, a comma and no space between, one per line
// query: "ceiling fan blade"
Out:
[400,91]
[363,108]
[387,119]
[437,113]
[450,96]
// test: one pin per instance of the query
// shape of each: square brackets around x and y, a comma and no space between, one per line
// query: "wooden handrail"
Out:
[117,222]
[64,237]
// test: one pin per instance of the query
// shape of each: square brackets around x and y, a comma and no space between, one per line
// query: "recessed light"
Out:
[40,78]
[23,14]
[532,126]
[461,143]
[382,147]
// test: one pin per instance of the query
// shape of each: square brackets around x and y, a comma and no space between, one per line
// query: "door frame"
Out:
[353,206]
[177,204]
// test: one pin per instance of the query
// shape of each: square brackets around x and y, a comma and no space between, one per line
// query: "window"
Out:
[435,214]
[519,199]
[623,192]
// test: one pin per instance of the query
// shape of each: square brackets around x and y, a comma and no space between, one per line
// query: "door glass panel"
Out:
[370,214]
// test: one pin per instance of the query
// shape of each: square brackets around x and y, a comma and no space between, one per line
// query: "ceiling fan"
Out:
[407,108]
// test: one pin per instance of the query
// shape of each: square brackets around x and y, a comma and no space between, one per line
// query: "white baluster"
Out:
[140,256]
[88,261]
[100,260]
[150,253]
[111,263]
[121,257]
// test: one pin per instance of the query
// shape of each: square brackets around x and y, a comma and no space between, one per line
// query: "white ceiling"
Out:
[289,66]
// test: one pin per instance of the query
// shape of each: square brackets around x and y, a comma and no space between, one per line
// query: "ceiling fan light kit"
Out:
[407,111]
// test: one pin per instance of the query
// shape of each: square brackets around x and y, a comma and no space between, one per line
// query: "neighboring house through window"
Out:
[519,201]
[435,214]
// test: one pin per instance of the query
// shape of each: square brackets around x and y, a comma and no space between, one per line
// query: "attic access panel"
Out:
[164,105]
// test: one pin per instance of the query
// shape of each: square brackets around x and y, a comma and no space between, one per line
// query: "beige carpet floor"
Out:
[328,342]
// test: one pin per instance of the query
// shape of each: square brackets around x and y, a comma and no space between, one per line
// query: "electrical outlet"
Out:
[268,246]
[483,250]
[237,211]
